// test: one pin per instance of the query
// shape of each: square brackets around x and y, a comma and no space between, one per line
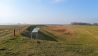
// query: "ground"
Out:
[68,40]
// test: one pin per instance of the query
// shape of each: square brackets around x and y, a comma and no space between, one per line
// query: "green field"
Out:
[83,42]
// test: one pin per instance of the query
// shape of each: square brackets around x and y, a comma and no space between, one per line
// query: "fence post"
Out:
[14,33]
[31,35]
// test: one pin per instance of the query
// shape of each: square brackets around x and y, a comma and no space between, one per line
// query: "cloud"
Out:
[58,1]
[52,1]
[7,10]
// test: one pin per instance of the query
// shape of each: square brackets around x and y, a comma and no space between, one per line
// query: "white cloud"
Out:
[52,1]
[7,10]
[57,1]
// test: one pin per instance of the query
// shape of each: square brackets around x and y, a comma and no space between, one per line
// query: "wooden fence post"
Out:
[14,33]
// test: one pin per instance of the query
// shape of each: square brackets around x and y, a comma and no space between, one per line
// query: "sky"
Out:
[48,11]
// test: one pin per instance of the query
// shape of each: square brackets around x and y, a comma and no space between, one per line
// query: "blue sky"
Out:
[48,11]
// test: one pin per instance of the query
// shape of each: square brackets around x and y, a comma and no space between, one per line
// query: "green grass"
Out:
[24,47]
[83,43]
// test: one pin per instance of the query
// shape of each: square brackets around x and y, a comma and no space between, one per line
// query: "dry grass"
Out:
[83,43]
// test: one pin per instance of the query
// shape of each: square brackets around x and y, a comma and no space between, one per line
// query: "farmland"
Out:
[67,40]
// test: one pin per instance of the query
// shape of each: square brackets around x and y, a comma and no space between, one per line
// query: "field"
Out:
[67,40]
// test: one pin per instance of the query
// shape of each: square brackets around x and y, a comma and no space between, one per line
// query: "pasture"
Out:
[67,40]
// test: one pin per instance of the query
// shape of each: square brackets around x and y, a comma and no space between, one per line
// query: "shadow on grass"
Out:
[41,35]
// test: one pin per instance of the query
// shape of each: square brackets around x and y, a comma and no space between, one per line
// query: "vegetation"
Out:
[76,40]
[81,23]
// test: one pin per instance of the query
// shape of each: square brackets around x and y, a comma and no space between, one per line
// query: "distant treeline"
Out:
[80,23]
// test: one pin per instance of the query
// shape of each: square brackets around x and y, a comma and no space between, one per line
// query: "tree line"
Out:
[82,23]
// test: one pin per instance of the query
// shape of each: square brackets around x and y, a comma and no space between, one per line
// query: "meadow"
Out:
[67,40]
